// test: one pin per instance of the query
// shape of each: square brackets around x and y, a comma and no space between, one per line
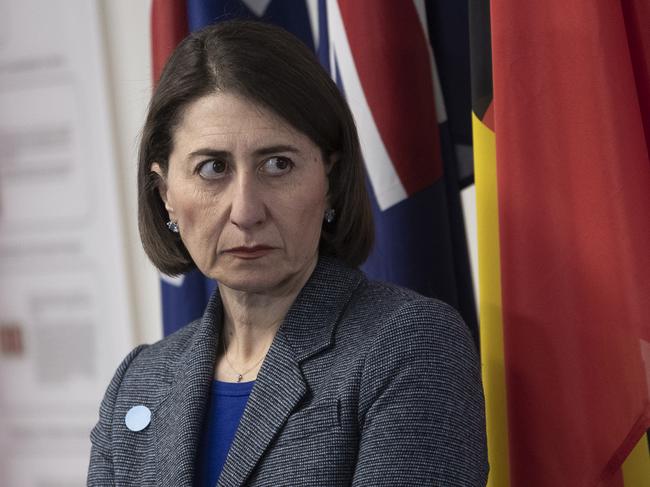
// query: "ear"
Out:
[331,161]
[162,186]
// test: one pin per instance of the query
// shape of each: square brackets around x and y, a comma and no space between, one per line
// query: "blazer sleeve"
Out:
[100,470]
[421,406]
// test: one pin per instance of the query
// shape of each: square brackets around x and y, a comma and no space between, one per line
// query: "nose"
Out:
[247,208]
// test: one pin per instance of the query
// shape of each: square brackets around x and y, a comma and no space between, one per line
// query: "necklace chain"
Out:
[240,375]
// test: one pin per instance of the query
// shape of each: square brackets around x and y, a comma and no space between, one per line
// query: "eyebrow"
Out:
[263,151]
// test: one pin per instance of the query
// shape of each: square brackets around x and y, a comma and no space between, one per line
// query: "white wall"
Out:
[128,46]
[76,292]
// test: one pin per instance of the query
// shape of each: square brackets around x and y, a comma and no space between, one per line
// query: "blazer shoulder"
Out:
[387,324]
[171,348]
[145,376]
[391,309]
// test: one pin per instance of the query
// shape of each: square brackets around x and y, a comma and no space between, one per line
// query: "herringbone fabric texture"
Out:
[365,384]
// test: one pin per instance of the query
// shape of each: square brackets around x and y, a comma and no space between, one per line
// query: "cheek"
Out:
[197,211]
[188,200]
[306,219]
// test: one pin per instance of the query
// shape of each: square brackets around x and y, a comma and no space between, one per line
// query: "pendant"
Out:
[239,378]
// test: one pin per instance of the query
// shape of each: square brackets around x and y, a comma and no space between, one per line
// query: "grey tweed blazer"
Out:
[365,384]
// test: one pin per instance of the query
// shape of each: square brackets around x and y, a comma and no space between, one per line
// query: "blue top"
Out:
[227,403]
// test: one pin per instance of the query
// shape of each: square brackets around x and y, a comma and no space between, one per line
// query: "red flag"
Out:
[168,28]
[571,117]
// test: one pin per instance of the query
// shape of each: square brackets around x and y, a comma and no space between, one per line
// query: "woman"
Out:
[301,371]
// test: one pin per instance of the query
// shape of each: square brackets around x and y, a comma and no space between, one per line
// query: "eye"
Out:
[277,166]
[213,169]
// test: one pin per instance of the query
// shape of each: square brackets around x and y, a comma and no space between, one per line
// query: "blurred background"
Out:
[556,124]
[76,293]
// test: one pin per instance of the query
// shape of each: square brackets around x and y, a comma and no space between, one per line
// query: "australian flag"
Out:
[404,69]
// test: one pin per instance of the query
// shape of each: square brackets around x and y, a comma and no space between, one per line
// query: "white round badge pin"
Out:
[138,418]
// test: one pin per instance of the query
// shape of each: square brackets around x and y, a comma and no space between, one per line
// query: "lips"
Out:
[249,252]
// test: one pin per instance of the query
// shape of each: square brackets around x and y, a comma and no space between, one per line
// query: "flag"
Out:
[561,115]
[382,57]
[183,297]
[168,28]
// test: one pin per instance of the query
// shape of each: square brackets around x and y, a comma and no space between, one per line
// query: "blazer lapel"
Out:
[178,420]
[278,389]
[280,385]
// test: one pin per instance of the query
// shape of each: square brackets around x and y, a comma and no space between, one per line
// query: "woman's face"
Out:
[248,192]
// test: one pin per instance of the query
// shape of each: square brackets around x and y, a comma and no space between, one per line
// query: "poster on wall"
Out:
[65,316]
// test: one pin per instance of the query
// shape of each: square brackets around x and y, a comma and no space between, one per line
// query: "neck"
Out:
[251,319]
[250,323]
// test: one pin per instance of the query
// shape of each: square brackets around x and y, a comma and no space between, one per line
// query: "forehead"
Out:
[227,117]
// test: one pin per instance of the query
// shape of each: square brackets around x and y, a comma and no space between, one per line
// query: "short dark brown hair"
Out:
[274,69]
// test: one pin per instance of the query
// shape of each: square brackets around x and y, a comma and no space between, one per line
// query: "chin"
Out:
[248,276]
[260,282]
[274,279]
[266,275]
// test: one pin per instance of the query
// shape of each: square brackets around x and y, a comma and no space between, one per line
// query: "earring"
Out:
[173,226]
[330,215]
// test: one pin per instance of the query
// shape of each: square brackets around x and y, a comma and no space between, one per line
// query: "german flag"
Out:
[561,124]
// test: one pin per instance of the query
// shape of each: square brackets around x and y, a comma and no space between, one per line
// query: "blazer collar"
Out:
[307,329]
[178,419]
[309,324]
